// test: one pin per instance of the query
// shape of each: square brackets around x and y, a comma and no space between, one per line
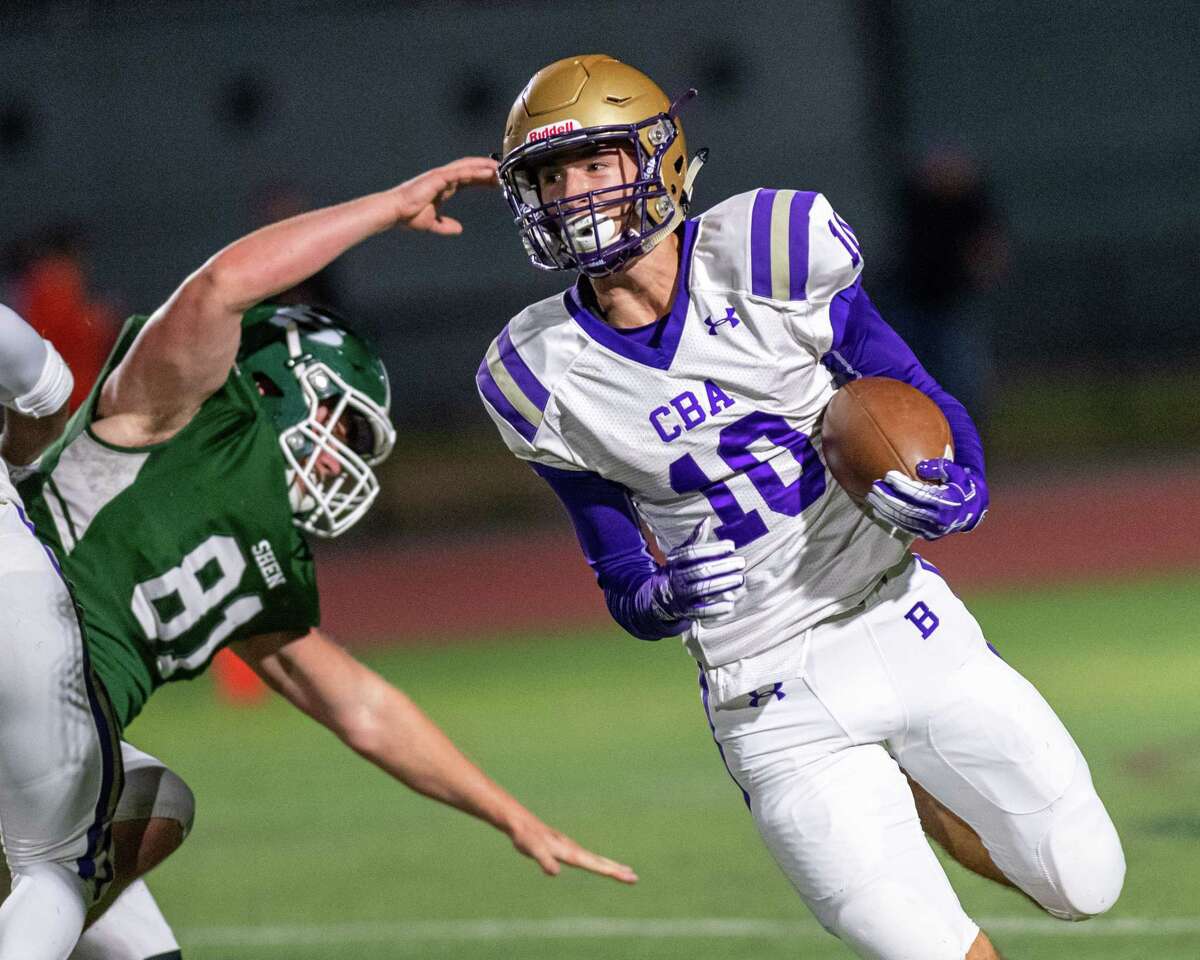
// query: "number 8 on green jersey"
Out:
[179,548]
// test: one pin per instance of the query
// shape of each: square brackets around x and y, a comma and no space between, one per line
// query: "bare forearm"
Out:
[395,734]
[25,438]
[283,254]
[277,257]
[376,720]
[186,350]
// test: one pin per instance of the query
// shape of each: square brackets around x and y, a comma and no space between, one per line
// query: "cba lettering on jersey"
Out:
[686,412]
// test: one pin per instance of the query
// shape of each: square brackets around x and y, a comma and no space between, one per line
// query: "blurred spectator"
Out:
[277,201]
[51,292]
[952,253]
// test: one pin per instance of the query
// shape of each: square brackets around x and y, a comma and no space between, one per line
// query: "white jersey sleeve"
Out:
[34,380]
[23,358]
[516,379]
[786,249]
[785,246]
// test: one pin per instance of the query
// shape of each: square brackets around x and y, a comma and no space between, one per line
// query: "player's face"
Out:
[587,189]
[579,173]
[327,464]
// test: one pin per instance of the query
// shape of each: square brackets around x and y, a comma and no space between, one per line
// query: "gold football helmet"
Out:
[587,101]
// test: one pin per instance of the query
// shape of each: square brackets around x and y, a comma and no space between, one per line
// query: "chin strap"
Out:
[292,338]
[685,201]
[698,161]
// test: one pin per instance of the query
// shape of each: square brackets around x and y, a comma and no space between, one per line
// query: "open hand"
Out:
[552,849]
[418,200]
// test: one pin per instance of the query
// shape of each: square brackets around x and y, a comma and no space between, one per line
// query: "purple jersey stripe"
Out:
[521,374]
[851,247]
[846,227]
[499,402]
[798,243]
[112,780]
[760,243]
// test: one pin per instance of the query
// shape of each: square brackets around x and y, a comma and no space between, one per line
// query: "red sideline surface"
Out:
[1054,531]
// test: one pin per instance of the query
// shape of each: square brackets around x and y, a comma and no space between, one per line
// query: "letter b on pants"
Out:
[924,619]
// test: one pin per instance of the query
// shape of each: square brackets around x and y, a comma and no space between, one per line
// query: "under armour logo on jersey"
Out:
[766,693]
[729,318]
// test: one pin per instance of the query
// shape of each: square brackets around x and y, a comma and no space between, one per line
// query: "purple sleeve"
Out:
[613,545]
[865,346]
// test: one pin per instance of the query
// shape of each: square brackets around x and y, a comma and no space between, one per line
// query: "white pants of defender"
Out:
[133,927]
[60,771]
[907,680]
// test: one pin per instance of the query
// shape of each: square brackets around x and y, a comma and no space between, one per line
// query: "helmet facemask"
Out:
[596,232]
[329,454]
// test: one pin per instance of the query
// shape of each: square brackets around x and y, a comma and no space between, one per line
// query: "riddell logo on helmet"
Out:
[552,130]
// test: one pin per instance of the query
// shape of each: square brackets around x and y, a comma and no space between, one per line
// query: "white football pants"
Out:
[907,680]
[133,927]
[60,768]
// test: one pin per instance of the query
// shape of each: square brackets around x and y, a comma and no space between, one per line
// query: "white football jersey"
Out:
[720,418]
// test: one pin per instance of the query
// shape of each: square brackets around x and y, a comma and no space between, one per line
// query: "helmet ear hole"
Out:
[266,386]
[360,437]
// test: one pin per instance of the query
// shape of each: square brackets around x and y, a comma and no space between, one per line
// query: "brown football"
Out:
[877,424]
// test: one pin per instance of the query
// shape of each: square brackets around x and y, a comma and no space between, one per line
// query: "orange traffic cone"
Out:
[236,683]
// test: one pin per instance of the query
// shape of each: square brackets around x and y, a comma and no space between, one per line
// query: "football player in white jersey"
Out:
[54,823]
[680,383]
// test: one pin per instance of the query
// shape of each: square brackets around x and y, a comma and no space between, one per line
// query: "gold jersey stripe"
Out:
[781,268]
[514,394]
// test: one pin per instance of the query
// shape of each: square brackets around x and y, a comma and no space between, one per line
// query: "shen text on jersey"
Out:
[268,566]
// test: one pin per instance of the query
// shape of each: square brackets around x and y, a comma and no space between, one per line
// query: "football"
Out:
[877,424]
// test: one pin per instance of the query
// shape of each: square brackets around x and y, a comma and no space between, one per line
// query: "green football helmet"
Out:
[326,390]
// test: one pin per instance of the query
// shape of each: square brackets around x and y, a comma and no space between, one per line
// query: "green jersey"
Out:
[175,549]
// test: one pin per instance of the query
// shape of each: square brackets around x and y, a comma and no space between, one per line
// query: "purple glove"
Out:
[931,510]
[701,581]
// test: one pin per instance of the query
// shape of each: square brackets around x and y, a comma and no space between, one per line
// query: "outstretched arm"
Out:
[380,723]
[186,350]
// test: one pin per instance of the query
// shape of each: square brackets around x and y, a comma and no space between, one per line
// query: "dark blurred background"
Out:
[1023,177]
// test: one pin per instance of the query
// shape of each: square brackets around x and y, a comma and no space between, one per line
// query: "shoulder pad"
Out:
[522,365]
[786,245]
[719,257]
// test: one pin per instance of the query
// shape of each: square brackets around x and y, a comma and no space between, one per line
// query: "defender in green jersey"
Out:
[218,434]
[176,548]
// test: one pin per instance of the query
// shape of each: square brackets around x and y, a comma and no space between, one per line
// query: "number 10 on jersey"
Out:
[734,448]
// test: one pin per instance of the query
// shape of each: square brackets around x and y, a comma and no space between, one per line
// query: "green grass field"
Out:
[301,850]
